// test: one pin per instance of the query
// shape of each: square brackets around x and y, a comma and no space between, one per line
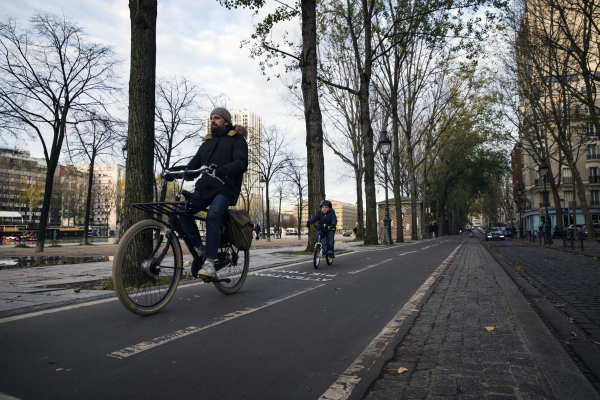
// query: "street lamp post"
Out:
[385,145]
[426,204]
[520,197]
[543,169]
[262,208]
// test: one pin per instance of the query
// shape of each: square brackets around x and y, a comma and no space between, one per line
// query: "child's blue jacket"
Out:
[328,218]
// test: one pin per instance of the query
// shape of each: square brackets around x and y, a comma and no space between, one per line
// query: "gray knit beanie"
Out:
[223,113]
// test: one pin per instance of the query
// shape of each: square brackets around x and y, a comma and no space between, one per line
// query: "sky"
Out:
[200,40]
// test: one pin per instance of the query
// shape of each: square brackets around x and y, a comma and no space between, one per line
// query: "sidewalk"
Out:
[34,288]
[476,337]
[590,249]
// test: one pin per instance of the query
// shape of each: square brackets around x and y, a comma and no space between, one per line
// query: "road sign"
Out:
[565,211]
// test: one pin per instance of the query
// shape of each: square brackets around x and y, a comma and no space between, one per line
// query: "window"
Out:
[589,129]
[594,171]
[568,196]
[592,151]
[595,197]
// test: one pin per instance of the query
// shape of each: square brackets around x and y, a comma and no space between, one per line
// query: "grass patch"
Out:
[22,246]
[294,253]
[88,244]
[55,245]
[109,284]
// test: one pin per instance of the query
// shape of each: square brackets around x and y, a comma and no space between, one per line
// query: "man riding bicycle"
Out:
[226,147]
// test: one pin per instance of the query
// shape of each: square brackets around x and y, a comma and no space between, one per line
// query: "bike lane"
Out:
[287,334]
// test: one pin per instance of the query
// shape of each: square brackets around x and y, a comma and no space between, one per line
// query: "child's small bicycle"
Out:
[317,254]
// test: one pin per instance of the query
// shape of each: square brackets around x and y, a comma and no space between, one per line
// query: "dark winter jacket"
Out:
[226,150]
[328,218]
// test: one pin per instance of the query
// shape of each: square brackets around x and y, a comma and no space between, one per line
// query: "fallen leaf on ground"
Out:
[402,370]
[574,334]
[489,328]
[415,310]
[307,388]
[337,288]
[77,290]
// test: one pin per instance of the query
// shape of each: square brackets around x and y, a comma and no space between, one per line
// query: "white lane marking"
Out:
[66,308]
[369,267]
[55,310]
[296,277]
[345,384]
[138,348]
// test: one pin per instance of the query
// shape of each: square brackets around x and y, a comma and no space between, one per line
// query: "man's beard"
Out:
[220,131]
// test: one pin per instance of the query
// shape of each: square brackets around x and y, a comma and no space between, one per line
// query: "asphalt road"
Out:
[291,332]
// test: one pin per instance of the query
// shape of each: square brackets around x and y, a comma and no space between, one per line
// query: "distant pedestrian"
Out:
[257,231]
[435,229]
[355,230]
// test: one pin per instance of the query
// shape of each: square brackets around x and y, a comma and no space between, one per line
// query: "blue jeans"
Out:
[218,207]
[330,241]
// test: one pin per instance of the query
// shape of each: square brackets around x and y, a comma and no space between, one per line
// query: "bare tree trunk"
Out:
[413,194]
[54,155]
[396,163]
[140,138]
[360,230]
[88,201]
[312,112]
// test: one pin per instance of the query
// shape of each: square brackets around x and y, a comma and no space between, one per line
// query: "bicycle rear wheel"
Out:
[147,267]
[316,256]
[236,270]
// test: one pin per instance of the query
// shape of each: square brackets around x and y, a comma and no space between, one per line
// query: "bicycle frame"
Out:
[173,209]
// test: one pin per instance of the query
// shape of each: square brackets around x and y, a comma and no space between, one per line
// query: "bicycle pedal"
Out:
[215,280]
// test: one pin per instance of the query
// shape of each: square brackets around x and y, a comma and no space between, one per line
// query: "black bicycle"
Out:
[148,264]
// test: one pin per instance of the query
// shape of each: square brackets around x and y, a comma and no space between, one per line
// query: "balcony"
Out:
[570,204]
[595,203]
[593,156]
[567,180]
[594,179]
[543,205]
[538,182]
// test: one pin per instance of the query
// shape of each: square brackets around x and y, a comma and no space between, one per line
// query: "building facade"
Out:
[406,216]
[22,186]
[103,215]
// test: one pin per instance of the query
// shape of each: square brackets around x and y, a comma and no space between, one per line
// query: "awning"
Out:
[10,214]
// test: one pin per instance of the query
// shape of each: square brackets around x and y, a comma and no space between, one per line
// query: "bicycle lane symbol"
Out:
[298,275]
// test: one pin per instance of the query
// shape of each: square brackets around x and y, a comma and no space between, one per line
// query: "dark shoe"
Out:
[331,254]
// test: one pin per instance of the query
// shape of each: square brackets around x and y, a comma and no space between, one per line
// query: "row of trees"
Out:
[551,75]
[403,67]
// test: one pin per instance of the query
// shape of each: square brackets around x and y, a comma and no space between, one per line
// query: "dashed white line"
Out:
[138,348]
[369,267]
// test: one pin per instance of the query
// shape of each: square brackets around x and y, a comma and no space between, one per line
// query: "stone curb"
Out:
[389,354]
[563,377]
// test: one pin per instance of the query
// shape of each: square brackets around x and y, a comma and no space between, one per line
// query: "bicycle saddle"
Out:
[189,195]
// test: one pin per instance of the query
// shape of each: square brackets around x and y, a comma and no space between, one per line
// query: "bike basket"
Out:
[167,208]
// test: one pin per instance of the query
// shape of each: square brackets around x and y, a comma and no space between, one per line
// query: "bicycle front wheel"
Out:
[236,271]
[316,256]
[147,267]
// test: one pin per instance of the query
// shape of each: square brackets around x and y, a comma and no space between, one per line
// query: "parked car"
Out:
[570,230]
[494,233]
[508,232]
[584,231]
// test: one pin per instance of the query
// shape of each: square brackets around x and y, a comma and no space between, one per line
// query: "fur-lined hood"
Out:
[237,130]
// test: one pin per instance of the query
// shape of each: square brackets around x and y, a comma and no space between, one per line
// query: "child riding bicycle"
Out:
[327,222]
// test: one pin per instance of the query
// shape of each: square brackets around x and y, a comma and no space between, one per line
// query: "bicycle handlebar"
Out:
[205,169]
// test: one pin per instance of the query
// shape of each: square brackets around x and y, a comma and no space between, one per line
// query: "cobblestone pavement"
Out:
[449,353]
[572,283]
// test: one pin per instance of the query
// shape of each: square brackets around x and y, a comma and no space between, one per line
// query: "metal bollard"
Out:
[581,239]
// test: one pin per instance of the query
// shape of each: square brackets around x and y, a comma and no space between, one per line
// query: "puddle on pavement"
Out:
[37,261]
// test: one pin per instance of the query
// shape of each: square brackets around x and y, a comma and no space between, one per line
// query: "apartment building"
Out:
[22,186]
[550,107]
[103,214]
